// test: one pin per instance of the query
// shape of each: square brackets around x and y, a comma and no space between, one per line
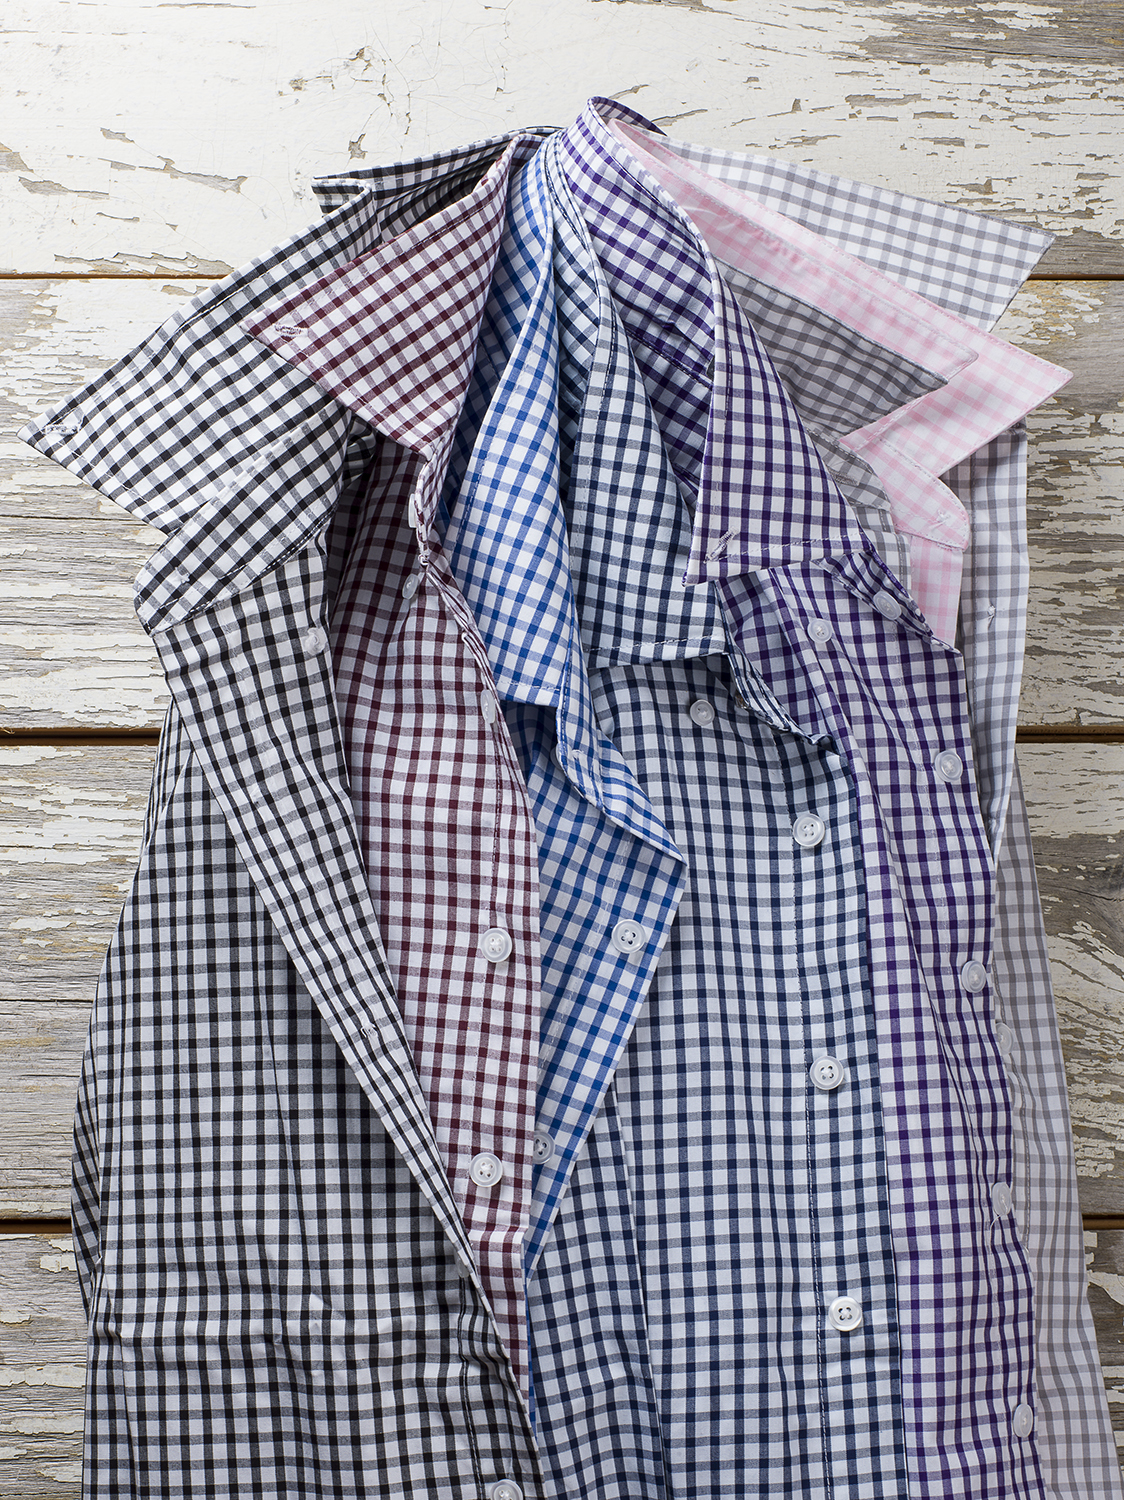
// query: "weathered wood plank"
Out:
[1075,795]
[55,336]
[1012,109]
[1104,1257]
[70,821]
[40,1058]
[42,1368]
[72,653]
[1075,637]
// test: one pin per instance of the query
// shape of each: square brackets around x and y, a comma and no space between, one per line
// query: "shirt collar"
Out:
[764,497]
[393,335]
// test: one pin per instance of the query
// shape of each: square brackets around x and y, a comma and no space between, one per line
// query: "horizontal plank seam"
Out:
[185,274]
[1028,734]
[63,1226]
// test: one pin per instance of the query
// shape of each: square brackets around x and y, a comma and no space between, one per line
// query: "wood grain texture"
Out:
[1075,796]
[1001,105]
[1104,1258]
[70,823]
[41,1048]
[42,1368]
[1074,670]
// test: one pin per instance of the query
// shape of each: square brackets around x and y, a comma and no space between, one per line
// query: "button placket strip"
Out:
[461,923]
[896,699]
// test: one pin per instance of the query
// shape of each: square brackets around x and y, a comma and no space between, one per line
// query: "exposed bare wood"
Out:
[42,1368]
[1104,1257]
[1011,108]
[40,1057]
[1082,254]
[1075,794]
[70,820]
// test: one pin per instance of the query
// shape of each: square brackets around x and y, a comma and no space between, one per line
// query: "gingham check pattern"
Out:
[507,545]
[986,384]
[604,1421]
[975,1435]
[442,809]
[285,1297]
[604,857]
[972,267]
[968,263]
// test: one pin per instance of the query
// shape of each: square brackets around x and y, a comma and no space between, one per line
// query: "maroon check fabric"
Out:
[439,799]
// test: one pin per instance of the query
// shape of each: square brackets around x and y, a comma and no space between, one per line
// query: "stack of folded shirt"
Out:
[581,1024]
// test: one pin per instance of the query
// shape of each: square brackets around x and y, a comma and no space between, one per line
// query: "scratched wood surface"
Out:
[999,105]
[42,1373]
[151,145]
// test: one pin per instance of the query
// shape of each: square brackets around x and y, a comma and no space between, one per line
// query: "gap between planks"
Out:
[1028,734]
[63,1226]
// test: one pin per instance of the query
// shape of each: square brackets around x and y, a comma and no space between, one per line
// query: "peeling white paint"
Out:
[64,1261]
[1111,1283]
[59,1423]
[113,693]
[6,1452]
[65,1471]
[114,178]
[71,1377]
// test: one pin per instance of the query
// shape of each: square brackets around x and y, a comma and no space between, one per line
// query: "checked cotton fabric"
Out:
[580,1024]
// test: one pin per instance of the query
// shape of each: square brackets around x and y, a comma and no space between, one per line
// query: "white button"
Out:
[827,1073]
[820,631]
[543,1147]
[316,640]
[410,587]
[496,945]
[701,711]
[488,707]
[845,1314]
[887,605]
[485,1169]
[507,1489]
[808,830]
[1001,1199]
[412,513]
[973,977]
[1004,1038]
[949,766]
[629,937]
[1022,1420]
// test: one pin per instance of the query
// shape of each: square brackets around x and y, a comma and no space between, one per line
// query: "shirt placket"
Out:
[452,864]
[895,700]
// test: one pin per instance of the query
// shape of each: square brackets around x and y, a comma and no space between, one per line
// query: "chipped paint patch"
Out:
[64,1261]
[110,694]
[1112,1284]
[57,1424]
[1030,91]
[68,1471]
[69,1377]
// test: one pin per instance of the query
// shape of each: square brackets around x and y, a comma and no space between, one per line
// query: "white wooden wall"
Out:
[148,146]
